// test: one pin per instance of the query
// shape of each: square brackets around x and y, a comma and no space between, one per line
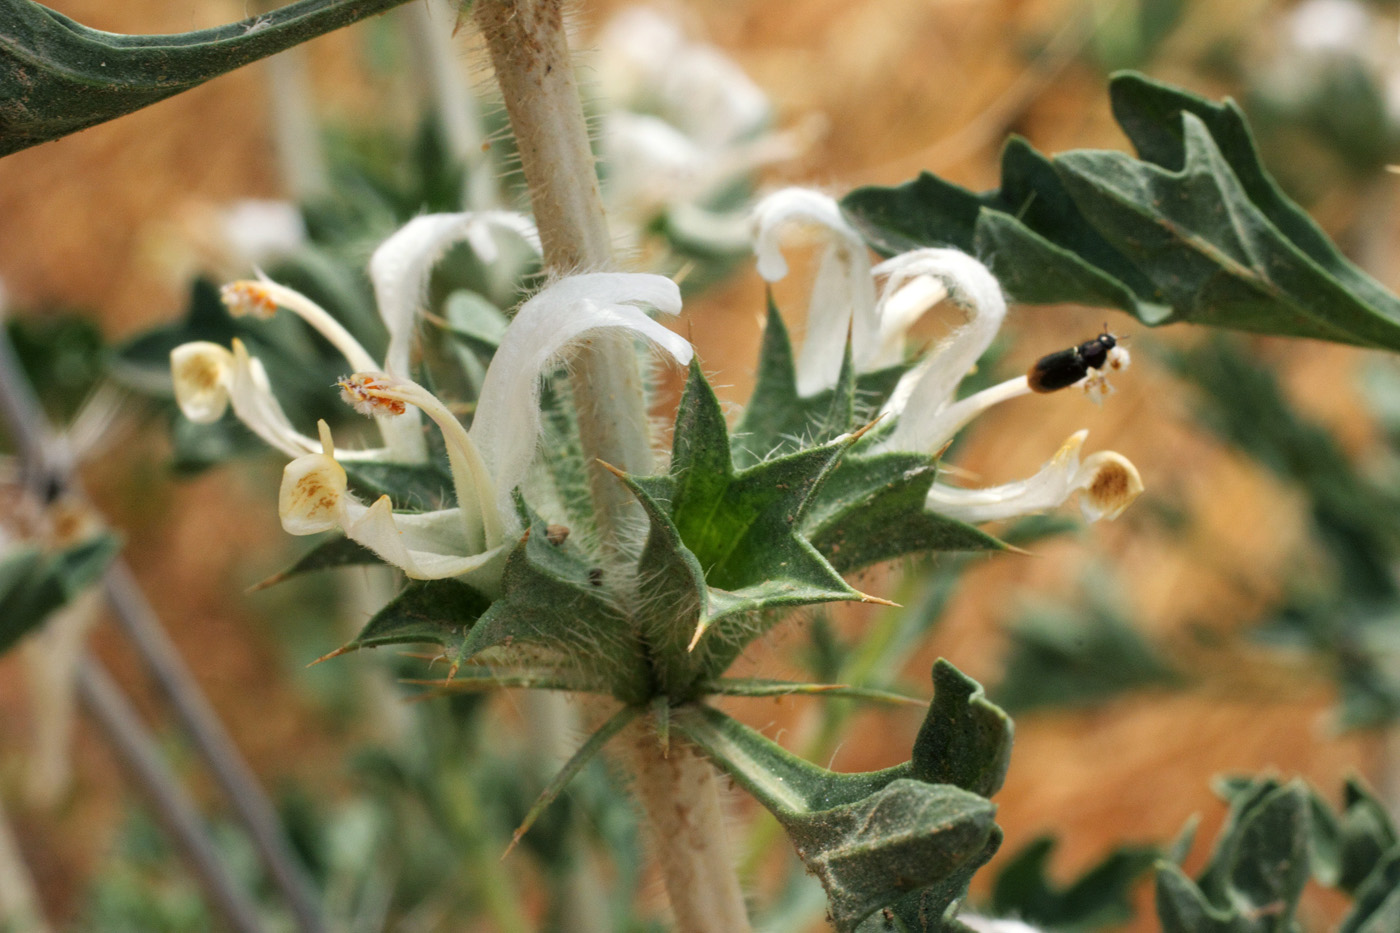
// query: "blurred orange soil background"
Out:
[904,85]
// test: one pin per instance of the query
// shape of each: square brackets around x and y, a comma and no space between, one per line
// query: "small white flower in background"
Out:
[928,413]
[259,231]
[688,122]
[209,378]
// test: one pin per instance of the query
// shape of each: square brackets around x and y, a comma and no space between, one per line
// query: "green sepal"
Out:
[334,551]
[439,612]
[553,598]
[34,584]
[965,739]
[58,76]
[1193,230]
[884,839]
[726,545]
[778,421]
[1098,898]
[586,753]
[763,687]
[871,509]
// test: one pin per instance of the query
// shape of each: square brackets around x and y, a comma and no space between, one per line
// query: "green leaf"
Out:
[1029,233]
[1377,908]
[1098,898]
[778,421]
[440,612]
[417,487]
[1365,834]
[1194,229]
[726,544]
[1257,871]
[335,551]
[1182,908]
[553,598]
[889,839]
[871,509]
[58,77]
[33,584]
[965,739]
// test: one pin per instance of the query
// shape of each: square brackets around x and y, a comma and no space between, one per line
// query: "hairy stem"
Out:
[529,51]
[679,792]
[530,54]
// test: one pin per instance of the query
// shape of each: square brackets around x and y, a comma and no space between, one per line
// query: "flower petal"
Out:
[1108,483]
[927,390]
[403,264]
[202,372]
[843,295]
[411,541]
[426,545]
[507,424]
[250,393]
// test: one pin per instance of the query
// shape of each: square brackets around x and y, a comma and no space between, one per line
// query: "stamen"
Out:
[370,394]
[248,296]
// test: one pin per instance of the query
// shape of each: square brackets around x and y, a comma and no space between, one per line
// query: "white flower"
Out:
[209,378]
[843,295]
[1107,484]
[925,406]
[492,459]
[689,123]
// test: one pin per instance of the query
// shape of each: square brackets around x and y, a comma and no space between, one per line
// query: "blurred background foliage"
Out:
[1241,617]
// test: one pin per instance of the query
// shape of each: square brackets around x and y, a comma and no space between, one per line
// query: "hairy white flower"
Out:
[688,124]
[207,377]
[492,459]
[926,410]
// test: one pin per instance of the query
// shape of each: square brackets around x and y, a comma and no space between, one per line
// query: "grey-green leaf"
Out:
[1193,229]
[58,76]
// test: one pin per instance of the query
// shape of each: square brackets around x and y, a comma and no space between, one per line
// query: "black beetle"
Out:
[1065,368]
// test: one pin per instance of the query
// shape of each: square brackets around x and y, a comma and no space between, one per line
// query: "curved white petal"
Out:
[843,295]
[250,393]
[1108,483]
[403,264]
[411,542]
[507,424]
[796,205]
[930,388]
[202,372]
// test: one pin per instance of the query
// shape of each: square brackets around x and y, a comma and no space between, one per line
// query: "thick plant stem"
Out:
[529,51]
[679,791]
[530,54]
